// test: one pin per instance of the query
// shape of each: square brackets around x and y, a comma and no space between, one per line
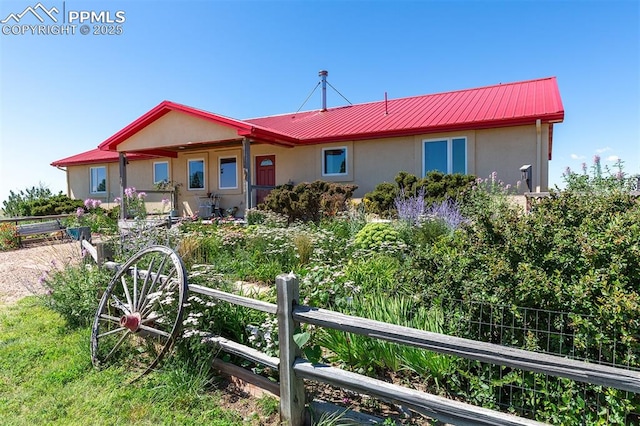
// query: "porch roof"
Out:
[96,156]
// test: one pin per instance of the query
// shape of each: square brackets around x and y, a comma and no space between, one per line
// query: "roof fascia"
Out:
[154,153]
[550,118]
[161,110]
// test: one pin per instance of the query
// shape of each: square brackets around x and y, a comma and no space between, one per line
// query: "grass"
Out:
[46,377]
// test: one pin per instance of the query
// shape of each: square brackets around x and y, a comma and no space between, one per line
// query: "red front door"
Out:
[265,175]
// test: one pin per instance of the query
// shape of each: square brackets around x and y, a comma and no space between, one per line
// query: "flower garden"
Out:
[453,255]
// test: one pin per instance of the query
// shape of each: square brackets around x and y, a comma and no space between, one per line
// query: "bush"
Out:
[75,292]
[8,236]
[434,187]
[375,235]
[308,201]
[57,204]
[572,253]
[38,202]
[598,179]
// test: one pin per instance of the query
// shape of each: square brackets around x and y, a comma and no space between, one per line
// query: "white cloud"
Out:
[613,158]
[605,149]
[577,157]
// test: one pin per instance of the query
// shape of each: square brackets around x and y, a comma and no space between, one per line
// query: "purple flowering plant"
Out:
[134,202]
[600,177]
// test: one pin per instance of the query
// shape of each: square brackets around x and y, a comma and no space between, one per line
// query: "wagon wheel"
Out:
[140,313]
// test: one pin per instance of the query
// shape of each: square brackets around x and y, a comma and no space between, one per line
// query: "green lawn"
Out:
[46,377]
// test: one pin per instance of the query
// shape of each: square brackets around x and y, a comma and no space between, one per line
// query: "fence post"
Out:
[292,399]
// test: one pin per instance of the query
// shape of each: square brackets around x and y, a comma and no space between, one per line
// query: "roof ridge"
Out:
[512,83]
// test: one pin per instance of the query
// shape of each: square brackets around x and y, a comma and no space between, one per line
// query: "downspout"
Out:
[538,152]
[67,179]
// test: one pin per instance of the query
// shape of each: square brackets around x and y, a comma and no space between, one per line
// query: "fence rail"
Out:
[293,368]
[19,219]
[471,349]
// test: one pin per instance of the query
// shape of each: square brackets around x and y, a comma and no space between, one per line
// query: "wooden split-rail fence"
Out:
[293,368]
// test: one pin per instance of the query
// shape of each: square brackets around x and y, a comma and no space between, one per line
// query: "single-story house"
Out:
[476,131]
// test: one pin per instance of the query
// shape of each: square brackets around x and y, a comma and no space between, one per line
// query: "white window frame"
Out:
[226,157]
[204,174]
[91,169]
[449,142]
[346,161]
[155,179]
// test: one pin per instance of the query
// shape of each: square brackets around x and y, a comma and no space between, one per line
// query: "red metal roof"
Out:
[165,107]
[96,156]
[501,105]
[493,106]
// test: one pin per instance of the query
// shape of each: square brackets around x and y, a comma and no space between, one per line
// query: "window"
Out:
[98,180]
[228,173]
[334,161]
[196,174]
[160,172]
[445,155]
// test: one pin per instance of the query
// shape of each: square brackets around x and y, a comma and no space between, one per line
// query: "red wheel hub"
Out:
[131,321]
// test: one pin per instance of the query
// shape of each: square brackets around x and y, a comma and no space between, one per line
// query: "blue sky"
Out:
[64,94]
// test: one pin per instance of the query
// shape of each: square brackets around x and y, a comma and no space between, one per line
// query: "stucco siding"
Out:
[368,163]
[505,150]
[176,129]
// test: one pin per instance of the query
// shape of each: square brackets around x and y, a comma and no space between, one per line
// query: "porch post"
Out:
[122,157]
[246,150]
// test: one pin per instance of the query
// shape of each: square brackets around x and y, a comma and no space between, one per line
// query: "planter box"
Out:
[80,233]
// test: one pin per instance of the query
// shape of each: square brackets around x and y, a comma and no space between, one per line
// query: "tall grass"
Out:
[46,377]
[375,356]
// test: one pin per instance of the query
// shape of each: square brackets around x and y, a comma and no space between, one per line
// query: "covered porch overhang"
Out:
[171,129]
[173,151]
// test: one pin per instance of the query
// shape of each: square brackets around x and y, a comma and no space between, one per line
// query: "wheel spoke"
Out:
[147,294]
[154,281]
[110,318]
[155,331]
[151,319]
[143,293]
[126,292]
[120,305]
[135,288]
[146,307]
[114,331]
[117,345]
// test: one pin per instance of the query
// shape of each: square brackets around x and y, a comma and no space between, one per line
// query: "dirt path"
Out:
[22,270]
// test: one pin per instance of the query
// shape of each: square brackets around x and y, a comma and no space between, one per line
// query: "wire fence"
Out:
[546,331]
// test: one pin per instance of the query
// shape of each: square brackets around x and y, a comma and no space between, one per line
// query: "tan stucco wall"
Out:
[506,150]
[368,162]
[79,181]
[176,129]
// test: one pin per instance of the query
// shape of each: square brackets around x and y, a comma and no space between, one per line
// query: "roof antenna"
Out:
[323,78]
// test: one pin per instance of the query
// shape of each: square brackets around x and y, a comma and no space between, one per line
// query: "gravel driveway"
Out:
[22,270]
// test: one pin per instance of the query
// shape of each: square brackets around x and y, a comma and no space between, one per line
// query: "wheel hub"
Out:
[131,321]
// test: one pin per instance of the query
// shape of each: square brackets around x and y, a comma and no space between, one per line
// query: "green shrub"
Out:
[57,204]
[38,201]
[9,239]
[373,236]
[75,291]
[572,253]
[308,201]
[599,180]
[436,187]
